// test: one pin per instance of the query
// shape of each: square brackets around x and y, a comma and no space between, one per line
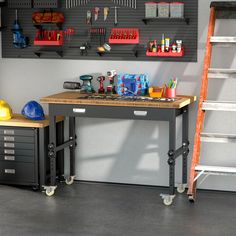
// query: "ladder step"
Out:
[215,169]
[218,138]
[223,41]
[219,106]
[217,73]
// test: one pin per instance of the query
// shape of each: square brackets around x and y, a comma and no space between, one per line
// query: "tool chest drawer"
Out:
[16,131]
[12,151]
[17,172]
[18,139]
[15,145]
[17,158]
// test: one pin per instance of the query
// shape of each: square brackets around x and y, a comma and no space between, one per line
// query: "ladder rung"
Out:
[219,106]
[223,41]
[216,73]
[215,169]
[218,138]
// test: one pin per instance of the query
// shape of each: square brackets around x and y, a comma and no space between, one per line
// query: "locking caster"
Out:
[167,199]
[70,180]
[181,188]
[49,190]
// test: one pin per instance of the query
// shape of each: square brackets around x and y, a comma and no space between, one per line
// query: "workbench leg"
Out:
[185,143]
[171,154]
[42,158]
[72,136]
[60,154]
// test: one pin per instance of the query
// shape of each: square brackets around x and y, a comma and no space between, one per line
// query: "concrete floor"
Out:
[92,209]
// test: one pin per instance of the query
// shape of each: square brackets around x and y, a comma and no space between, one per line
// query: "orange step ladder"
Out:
[218,10]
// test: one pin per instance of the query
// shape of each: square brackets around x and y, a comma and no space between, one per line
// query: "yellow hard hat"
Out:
[5,111]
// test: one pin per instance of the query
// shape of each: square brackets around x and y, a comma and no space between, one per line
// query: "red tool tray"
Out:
[124,36]
[49,38]
[165,54]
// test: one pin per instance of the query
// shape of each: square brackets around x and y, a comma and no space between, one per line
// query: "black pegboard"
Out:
[46,4]
[127,17]
[19,4]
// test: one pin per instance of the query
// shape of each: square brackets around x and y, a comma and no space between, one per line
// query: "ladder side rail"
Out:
[202,98]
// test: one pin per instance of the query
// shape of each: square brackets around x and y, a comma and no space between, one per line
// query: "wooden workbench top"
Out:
[20,121]
[76,98]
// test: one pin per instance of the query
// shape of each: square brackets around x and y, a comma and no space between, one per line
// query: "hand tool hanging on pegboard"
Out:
[75,3]
[126,3]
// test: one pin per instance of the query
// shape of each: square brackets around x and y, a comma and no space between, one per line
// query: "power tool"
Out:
[101,79]
[19,40]
[111,76]
[87,84]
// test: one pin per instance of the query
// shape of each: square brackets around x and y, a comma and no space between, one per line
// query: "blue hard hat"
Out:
[33,110]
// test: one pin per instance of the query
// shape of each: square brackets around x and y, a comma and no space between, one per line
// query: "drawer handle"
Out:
[79,110]
[10,171]
[140,113]
[9,151]
[9,158]
[9,145]
[9,138]
[9,131]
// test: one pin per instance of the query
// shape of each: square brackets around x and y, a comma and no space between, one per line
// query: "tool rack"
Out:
[185,29]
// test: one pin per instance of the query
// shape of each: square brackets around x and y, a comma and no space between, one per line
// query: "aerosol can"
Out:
[19,40]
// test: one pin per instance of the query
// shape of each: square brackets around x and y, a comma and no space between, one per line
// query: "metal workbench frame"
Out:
[119,112]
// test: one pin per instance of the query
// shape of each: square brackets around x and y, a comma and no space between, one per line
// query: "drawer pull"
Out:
[9,158]
[9,151]
[10,171]
[9,131]
[9,138]
[140,113]
[79,110]
[9,145]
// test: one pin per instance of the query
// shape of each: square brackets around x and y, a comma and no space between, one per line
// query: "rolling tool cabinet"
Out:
[23,151]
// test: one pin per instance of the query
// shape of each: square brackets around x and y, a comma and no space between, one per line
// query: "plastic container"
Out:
[163,10]
[177,10]
[124,36]
[170,92]
[56,38]
[150,9]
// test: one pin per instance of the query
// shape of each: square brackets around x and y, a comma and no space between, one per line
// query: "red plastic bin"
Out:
[52,40]
[124,36]
[165,54]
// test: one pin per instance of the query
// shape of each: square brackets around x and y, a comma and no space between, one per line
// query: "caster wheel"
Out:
[181,188]
[69,181]
[50,192]
[167,201]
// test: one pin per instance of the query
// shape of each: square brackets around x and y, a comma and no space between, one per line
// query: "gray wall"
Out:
[131,151]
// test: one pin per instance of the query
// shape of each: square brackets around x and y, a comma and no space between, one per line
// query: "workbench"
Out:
[74,104]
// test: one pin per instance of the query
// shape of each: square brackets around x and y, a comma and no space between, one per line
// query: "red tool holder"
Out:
[49,38]
[124,36]
[165,54]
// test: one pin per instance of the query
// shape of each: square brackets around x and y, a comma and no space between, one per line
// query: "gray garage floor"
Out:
[90,209]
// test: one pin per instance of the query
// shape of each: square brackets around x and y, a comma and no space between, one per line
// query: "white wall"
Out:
[122,150]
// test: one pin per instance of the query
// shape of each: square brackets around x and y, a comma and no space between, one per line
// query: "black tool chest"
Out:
[23,154]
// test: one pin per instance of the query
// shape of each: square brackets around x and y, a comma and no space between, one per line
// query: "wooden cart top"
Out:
[78,99]
[20,121]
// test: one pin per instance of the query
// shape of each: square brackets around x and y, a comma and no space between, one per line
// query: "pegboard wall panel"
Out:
[75,17]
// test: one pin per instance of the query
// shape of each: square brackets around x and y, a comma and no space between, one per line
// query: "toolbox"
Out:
[177,9]
[23,152]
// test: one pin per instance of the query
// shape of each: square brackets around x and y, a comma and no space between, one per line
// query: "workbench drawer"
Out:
[12,131]
[17,158]
[17,172]
[20,152]
[14,145]
[17,139]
